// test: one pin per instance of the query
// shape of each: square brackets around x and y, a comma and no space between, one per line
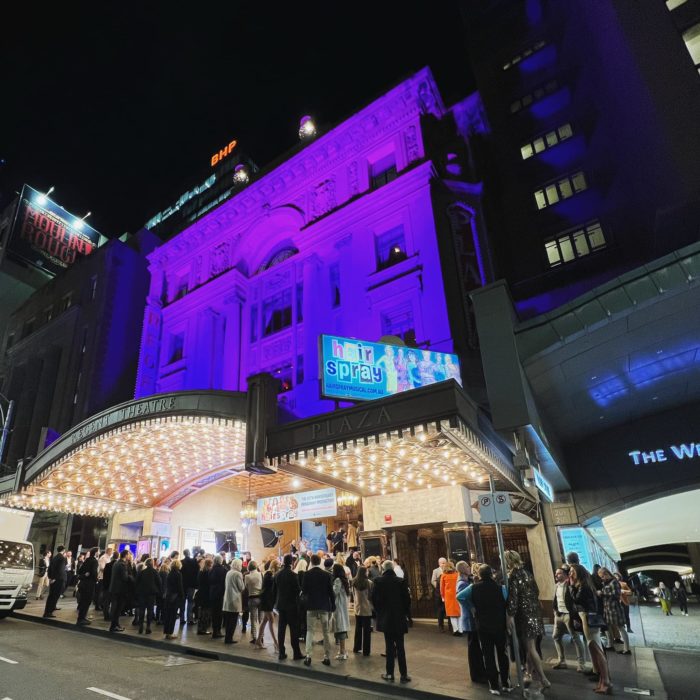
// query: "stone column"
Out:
[313,317]
[233,347]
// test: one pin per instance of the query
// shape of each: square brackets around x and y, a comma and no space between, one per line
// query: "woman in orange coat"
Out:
[448,593]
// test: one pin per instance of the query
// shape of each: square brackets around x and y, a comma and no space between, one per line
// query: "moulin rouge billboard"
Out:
[47,236]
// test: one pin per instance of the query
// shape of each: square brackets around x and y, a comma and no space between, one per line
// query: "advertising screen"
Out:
[46,236]
[359,371]
[313,536]
[309,505]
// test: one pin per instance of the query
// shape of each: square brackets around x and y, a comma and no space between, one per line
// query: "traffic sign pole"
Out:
[504,571]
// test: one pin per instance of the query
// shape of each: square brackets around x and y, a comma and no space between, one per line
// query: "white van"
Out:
[16,559]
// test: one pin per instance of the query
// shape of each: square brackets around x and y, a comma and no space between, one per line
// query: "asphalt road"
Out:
[43,663]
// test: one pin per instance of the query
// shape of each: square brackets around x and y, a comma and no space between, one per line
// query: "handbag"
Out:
[595,619]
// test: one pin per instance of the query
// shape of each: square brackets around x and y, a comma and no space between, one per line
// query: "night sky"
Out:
[120,108]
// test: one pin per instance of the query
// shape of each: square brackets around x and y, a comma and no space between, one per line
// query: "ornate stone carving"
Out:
[220,259]
[353,179]
[323,198]
[411,141]
[277,349]
[427,100]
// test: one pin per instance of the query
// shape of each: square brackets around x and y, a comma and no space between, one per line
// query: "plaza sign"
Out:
[360,371]
[689,450]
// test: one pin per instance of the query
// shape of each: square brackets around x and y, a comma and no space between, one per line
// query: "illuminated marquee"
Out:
[225,151]
[689,450]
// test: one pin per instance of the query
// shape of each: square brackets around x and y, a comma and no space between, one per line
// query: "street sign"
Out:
[545,488]
[495,508]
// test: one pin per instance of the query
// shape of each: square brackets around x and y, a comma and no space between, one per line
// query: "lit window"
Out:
[177,347]
[390,248]
[334,275]
[524,54]
[400,322]
[562,189]
[383,171]
[537,94]
[283,375]
[576,243]
[277,312]
[548,140]
[692,42]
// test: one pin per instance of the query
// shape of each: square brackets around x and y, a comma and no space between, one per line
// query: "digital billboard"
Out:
[309,505]
[46,236]
[359,371]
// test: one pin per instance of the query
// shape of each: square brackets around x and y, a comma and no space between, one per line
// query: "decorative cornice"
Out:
[402,104]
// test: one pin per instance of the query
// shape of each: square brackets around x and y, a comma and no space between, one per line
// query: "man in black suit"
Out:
[490,606]
[286,594]
[86,588]
[57,580]
[190,570]
[392,601]
[119,586]
[319,601]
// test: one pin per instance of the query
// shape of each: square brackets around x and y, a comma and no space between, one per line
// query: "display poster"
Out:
[309,505]
[48,237]
[143,547]
[313,536]
[575,539]
[131,546]
[359,371]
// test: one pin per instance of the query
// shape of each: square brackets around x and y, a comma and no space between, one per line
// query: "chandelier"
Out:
[347,500]
[249,510]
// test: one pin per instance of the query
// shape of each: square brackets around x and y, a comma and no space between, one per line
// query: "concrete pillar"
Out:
[694,552]
[232,359]
[541,565]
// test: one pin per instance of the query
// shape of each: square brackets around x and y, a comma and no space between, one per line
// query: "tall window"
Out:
[254,324]
[536,94]
[399,321]
[561,189]
[334,275]
[177,347]
[390,247]
[383,171]
[575,243]
[277,312]
[300,301]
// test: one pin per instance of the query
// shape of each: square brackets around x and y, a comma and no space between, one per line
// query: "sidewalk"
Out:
[437,662]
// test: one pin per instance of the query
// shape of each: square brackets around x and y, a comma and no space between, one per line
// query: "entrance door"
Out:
[418,550]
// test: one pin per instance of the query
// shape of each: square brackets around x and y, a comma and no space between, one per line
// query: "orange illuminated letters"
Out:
[225,151]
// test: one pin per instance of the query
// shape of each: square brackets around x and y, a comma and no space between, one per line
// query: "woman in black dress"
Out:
[267,604]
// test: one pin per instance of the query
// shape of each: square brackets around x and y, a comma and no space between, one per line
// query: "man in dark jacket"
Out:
[148,589]
[106,580]
[286,591]
[490,606]
[190,570]
[319,601]
[87,577]
[392,601]
[217,585]
[57,580]
[119,588]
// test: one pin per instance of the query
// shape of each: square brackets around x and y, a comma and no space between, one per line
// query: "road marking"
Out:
[108,694]
[8,661]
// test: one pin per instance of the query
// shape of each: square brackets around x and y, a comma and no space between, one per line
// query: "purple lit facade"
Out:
[371,229]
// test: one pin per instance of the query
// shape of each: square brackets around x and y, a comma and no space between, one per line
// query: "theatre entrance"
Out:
[418,549]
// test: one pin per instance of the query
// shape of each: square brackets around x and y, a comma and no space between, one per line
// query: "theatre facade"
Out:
[314,332]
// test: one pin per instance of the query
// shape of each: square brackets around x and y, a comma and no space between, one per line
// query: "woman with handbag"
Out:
[612,609]
[583,594]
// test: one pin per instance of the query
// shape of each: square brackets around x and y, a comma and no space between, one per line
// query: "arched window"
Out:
[277,258]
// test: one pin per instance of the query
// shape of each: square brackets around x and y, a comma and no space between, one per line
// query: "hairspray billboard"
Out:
[357,370]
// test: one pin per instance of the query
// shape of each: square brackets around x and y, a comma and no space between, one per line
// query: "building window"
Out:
[545,141]
[300,369]
[28,327]
[182,287]
[561,189]
[334,275]
[575,244]
[300,302]
[383,171]
[277,312]
[177,347]
[390,247]
[279,257]
[93,287]
[692,42]
[400,322]
[534,96]
[283,375]
[524,54]
[254,324]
